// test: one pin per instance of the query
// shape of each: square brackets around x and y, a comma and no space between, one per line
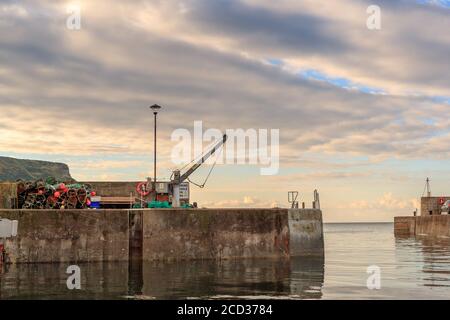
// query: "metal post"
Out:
[316,200]
[131,200]
[154,164]
[155,109]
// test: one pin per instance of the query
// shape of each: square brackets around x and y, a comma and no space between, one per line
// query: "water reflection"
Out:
[48,281]
[298,278]
[433,257]
[411,268]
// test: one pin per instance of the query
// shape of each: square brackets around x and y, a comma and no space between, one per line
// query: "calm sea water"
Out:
[410,269]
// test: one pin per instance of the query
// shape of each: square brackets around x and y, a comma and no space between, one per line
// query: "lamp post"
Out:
[155,109]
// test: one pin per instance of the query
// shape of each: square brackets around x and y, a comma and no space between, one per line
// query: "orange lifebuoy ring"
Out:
[441,201]
[143,189]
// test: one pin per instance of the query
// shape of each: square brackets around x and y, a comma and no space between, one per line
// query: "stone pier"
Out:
[431,226]
[163,234]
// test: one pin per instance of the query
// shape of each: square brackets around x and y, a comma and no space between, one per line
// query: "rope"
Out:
[209,174]
[200,156]
[424,188]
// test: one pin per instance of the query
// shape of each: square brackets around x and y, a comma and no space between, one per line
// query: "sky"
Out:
[363,115]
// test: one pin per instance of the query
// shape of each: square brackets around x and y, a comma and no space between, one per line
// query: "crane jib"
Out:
[203,159]
[178,179]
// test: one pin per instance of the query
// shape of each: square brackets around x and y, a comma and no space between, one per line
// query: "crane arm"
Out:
[203,159]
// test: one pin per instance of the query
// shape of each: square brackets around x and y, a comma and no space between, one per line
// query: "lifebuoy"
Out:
[441,201]
[143,189]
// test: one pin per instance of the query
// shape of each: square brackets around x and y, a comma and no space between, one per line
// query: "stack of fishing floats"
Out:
[50,194]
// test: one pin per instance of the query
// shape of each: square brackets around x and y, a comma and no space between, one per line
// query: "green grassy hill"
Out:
[12,169]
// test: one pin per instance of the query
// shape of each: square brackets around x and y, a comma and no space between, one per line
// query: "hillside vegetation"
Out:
[12,169]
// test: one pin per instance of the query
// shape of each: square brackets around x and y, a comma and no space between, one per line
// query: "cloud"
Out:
[85,94]
[245,202]
[13,9]
[88,74]
[331,38]
[385,203]
[313,176]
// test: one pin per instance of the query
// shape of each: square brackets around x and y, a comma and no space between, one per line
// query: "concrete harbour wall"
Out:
[68,236]
[432,226]
[306,232]
[404,226]
[215,234]
[231,233]
[163,234]
[113,189]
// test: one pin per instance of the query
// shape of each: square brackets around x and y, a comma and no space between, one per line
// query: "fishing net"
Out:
[51,194]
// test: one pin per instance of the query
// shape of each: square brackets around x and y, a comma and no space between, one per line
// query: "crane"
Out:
[179,178]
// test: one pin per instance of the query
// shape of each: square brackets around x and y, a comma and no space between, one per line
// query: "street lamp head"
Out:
[155,108]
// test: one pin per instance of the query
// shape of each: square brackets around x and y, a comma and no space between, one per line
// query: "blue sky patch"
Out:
[440,3]
[441,99]
[275,62]
[339,82]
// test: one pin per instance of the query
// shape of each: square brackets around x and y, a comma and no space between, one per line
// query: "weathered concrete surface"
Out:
[136,229]
[214,234]
[436,225]
[163,234]
[113,189]
[68,235]
[8,195]
[231,233]
[404,226]
[306,232]
[431,226]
